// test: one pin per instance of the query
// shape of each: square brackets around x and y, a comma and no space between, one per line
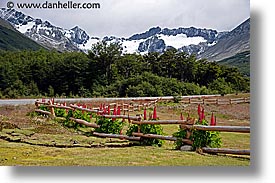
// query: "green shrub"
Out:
[200,138]
[77,114]
[60,112]
[109,126]
[205,138]
[44,108]
[220,86]
[180,134]
[147,129]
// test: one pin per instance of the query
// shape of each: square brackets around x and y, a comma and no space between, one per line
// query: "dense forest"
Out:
[106,72]
[240,61]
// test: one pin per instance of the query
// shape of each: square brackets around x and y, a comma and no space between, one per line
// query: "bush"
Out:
[78,115]
[109,126]
[205,138]
[180,134]
[60,112]
[220,86]
[147,129]
[44,108]
[200,138]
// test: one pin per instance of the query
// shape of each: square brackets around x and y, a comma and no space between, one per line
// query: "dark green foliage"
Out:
[205,138]
[69,123]
[200,138]
[77,114]
[240,61]
[180,134]
[60,112]
[106,72]
[44,108]
[109,126]
[147,129]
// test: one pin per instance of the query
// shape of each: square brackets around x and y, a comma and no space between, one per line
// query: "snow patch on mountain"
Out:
[88,45]
[131,46]
[24,28]
[181,40]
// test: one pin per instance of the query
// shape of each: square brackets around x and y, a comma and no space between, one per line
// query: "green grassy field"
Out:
[29,155]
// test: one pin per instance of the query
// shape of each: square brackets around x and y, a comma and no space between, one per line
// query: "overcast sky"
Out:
[124,18]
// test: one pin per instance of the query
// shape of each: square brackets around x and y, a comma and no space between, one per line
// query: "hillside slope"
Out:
[232,43]
[240,60]
[11,39]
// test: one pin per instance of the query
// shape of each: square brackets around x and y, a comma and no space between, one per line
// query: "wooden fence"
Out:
[184,124]
[218,101]
[124,107]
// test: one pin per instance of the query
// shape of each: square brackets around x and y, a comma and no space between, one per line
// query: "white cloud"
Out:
[126,17]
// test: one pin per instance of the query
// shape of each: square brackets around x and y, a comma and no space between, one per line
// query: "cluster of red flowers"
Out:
[154,117]
[201,114]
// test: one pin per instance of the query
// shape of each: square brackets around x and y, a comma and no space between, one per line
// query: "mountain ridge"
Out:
[204,43]
[11,39]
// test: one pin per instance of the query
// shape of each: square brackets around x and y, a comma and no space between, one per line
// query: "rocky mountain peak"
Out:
[204,43]
[151,32]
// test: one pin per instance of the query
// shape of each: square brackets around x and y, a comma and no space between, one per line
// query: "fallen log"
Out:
[116,136]
[226,151]
[83,122]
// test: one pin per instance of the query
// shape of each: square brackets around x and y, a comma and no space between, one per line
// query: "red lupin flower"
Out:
[114,113]
[118,110]
[108,112]
[155,113]
[212,121]
[199,110]
[181,116]
[144,114]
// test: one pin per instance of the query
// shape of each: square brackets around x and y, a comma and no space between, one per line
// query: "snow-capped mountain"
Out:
[46,34]
[230,44]
[205,43]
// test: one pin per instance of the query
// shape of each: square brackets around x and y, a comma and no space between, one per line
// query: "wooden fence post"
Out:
[139,125]
[51,108]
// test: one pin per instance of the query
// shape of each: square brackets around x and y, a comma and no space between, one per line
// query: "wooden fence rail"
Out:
[86,123]
[162,122]
[186,124]
[239,129]
[226,151]
[116,136]
[215,101]
[125,107]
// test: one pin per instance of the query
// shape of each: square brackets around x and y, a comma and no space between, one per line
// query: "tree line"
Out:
[106,72]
